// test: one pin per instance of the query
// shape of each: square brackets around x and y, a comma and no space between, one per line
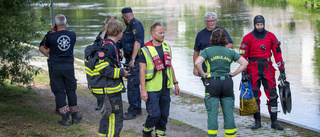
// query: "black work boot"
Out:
[76,117]
[147,134]
[257,122]
[128,116]
[276,125]
[274,122]
[99,104]
[65,121]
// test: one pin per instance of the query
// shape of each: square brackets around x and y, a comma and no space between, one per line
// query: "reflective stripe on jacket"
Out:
[104,78]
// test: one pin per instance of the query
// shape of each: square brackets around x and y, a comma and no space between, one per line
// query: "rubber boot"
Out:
[274,122]
[147,134]
[99,104]
[257,123]
[65,121]
[76,117]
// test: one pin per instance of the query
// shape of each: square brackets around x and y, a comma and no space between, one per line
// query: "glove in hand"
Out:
[282,75]
[245,76]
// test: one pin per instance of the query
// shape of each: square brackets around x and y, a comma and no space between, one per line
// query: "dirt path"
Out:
[182,109]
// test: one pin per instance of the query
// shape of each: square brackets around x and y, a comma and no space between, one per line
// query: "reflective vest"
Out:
[154,77]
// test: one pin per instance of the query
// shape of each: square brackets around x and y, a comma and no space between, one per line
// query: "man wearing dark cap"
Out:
[132,41]
[258,47]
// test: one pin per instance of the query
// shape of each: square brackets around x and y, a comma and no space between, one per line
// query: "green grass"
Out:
[84,91]
[20,116]
[43,77]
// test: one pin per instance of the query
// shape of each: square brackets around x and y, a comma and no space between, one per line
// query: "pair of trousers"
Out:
[133,89]
[158,106]
[111,126]
[220,90]
[262,72]
[63,84]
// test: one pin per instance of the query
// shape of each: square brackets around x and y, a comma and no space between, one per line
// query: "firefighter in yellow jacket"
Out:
[156,78]
[107,66]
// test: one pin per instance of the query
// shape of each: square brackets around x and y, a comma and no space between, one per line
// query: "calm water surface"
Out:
[296,27]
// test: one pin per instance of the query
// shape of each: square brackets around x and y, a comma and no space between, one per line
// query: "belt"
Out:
[220,77]
[260,59]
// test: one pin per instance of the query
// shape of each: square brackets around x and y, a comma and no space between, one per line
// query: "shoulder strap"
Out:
[150,57]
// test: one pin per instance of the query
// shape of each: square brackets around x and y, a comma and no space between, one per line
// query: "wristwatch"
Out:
[175,82]
[133,58]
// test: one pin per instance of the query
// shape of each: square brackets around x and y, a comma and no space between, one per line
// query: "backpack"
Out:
[248,104]
[95,52]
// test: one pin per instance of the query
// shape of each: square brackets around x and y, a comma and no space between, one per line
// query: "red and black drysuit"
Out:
[257,48]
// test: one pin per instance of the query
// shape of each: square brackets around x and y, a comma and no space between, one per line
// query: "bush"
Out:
[18,25]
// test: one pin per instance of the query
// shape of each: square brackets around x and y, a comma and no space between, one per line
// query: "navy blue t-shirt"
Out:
[203,41]
[61,44]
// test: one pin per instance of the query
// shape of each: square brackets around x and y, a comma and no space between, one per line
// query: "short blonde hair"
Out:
[114,28]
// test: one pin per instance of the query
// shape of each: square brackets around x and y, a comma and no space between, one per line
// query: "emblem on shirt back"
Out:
[64,42]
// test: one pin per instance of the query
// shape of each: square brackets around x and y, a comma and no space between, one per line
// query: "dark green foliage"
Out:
[18,25]
[269,3]
[316,58]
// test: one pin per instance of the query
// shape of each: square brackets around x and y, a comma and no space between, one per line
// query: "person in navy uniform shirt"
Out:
[132,41]
[58,46]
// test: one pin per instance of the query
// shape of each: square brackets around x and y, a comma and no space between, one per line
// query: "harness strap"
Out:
[115,48]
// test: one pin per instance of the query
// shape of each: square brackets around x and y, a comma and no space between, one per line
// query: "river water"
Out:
[296,27]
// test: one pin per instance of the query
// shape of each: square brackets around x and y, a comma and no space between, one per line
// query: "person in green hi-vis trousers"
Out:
[218,82]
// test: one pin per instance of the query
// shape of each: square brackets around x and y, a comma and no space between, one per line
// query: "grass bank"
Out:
[20,116]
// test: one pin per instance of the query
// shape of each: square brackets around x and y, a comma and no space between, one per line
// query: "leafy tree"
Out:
[18,25]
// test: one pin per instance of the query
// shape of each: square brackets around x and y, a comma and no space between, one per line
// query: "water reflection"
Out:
[297,28]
